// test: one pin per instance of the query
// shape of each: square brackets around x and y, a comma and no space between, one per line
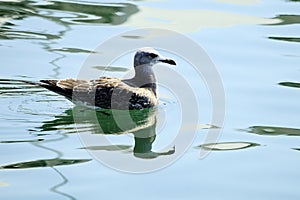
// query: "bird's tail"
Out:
[15,86]
[47,84]
[6,80]
[52,86]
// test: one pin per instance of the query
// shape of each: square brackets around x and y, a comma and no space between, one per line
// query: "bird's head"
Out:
[149,56]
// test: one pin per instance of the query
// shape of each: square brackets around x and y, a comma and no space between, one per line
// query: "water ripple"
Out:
[225,146]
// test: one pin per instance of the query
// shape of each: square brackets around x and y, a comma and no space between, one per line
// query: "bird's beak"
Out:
[169,61]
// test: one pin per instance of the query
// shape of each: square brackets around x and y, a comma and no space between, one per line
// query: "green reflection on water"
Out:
[104,123]
[109,147]
[290,84]
[73,50]
[288,39]
[44,163]
[114,14]
[226,146]
[273,131]
[141,123]
[20,141]
[288,19]
[62,13]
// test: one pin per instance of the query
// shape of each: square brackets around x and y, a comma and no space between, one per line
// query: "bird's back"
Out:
[105,92]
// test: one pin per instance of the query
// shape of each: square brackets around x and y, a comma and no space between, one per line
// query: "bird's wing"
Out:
[105,92]
[66,87]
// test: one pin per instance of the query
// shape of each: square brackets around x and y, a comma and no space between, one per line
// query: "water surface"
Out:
[255,47]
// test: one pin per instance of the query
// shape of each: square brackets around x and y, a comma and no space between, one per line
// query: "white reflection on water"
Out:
[172,20]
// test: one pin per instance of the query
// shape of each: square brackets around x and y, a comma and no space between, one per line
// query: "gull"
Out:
[138,92]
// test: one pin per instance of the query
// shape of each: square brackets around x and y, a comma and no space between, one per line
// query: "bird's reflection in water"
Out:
[141,123]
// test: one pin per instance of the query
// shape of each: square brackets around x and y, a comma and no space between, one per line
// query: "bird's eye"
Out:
[153,55]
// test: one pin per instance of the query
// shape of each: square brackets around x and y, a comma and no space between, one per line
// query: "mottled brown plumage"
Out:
[114,93]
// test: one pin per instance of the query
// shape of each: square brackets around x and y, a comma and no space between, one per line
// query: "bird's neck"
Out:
[145,78]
